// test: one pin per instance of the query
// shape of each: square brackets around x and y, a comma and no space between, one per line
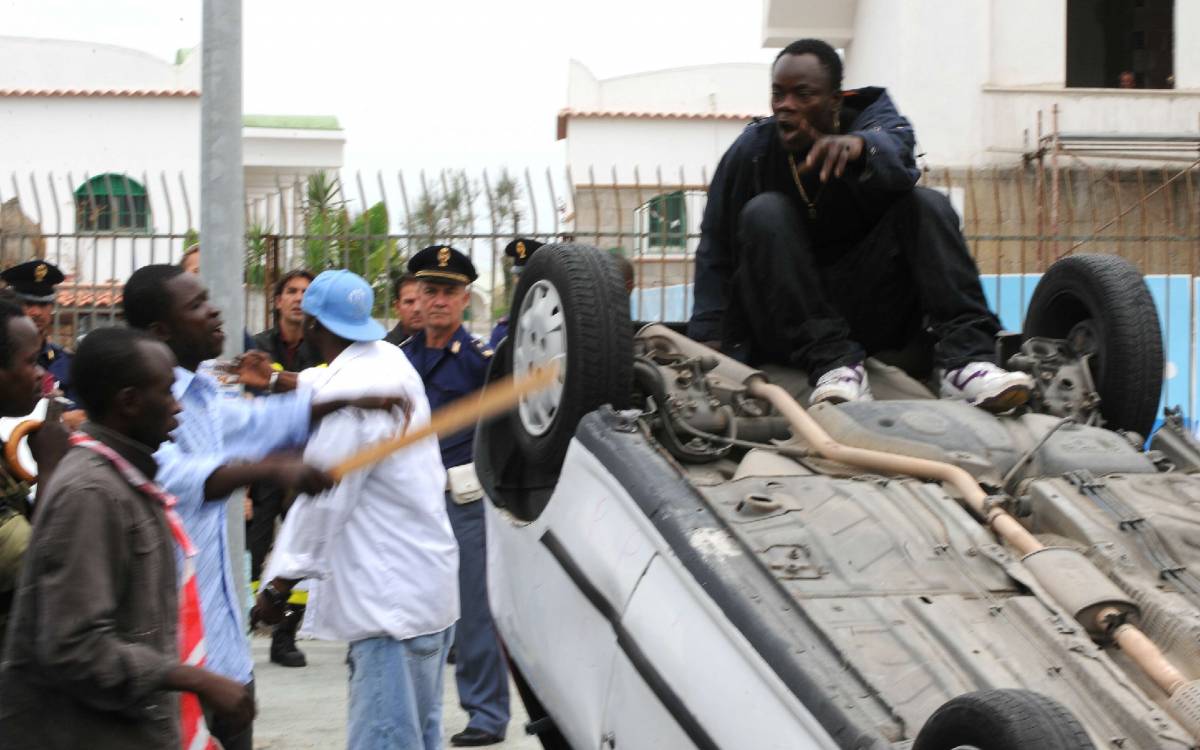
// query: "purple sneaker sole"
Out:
[1006,400]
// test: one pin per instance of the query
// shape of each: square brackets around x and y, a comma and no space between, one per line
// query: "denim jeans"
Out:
[396,692]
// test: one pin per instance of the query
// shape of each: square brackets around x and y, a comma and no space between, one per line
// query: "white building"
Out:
[668,122]
[101,148]
[972,75]
[641,149]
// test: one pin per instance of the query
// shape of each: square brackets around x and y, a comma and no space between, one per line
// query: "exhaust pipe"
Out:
[1068,576]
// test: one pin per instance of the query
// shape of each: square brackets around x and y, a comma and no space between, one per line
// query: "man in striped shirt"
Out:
[221,445]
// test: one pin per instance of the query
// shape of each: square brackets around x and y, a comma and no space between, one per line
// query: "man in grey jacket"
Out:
[92,658]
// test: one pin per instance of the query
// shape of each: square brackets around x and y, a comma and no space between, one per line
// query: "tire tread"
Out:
[1130,381]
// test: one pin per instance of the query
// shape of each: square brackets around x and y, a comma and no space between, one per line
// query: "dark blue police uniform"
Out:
[449,373]
[520,250]
[56,361]
[34,282]
[499,333]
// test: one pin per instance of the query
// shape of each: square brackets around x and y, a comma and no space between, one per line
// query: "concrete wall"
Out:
[52,144]
[55,64]
[741,88]
[605,144]
[972,74]
[668,144]
[1025,53]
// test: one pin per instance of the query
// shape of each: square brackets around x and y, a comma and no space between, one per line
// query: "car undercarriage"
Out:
[910,568]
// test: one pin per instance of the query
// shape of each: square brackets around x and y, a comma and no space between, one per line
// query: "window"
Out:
[666,220]
[110,203]
[1121,44]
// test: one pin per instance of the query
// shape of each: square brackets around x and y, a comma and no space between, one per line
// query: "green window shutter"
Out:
[111,202]
[667,220]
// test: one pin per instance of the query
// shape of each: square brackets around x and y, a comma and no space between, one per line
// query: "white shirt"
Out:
[378,546]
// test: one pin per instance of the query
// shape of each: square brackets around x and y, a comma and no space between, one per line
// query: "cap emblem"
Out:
[443,257]
[39,273]
[521,250]
[359,305]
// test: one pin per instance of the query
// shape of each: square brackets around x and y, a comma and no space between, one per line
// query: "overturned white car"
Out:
[683,556]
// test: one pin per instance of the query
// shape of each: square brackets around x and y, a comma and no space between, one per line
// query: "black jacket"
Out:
[272,343]
[847,208]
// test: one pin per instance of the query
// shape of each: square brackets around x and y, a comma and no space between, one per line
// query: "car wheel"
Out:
[1101,306]
[570,308]
[1002,720]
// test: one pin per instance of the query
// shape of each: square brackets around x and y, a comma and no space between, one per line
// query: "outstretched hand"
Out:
[252,369]
[831,153]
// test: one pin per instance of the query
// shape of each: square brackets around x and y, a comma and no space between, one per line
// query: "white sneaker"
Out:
[842,384]
[987,386]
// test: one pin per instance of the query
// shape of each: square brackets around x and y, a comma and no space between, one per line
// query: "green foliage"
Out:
[256,254]
[190,237]
[336,239]
[326,222]
[442,216]
[507,220]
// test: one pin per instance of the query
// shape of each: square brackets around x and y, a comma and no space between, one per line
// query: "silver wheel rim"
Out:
[541,338]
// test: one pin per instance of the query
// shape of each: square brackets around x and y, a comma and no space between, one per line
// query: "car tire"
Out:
[570,307]
[1100,304]
[1002,720]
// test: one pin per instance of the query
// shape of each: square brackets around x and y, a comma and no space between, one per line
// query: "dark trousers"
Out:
[480,671]
[267,500]
[817,308]
[243,740]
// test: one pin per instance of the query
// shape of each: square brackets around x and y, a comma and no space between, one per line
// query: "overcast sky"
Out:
[442,83]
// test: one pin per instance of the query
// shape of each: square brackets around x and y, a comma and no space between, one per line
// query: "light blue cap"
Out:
[342,302]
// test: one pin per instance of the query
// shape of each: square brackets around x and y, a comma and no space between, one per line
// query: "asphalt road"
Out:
[305,709]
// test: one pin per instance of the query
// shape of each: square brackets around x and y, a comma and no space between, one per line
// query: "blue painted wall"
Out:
[1009,295]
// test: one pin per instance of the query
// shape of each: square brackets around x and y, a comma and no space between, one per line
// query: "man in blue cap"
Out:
[34,282]
[452,363]
[378,548]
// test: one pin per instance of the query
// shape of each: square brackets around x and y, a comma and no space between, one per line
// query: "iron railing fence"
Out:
[1017,220]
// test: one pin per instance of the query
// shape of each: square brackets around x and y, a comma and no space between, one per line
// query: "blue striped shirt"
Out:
[215,430]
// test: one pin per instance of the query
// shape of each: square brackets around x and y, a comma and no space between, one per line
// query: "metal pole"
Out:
[222,199]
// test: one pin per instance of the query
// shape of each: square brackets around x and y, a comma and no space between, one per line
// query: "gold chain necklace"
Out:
[812,204]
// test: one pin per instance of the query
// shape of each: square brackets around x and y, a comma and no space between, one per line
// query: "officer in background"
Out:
[452,364]
[289,351]
[520,250]
[407,306]
[33,282]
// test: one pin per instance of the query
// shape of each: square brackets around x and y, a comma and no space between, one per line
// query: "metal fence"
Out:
[99,228]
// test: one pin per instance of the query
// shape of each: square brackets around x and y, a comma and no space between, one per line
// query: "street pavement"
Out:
[305,709]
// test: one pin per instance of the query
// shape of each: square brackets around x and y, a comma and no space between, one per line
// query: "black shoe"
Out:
[283,649]
[472,737]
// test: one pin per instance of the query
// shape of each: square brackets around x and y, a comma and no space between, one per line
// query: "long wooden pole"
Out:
[464,412]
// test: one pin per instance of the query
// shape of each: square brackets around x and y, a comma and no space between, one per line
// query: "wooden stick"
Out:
[489,401]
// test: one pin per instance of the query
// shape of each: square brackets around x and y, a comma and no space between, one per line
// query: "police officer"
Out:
[520,250]
[33,282]
[452,363]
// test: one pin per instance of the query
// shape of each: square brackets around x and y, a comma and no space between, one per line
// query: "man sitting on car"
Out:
[818,249]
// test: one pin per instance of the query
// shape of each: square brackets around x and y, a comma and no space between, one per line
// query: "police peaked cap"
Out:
[442,263]
[33,280]
[521,249]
